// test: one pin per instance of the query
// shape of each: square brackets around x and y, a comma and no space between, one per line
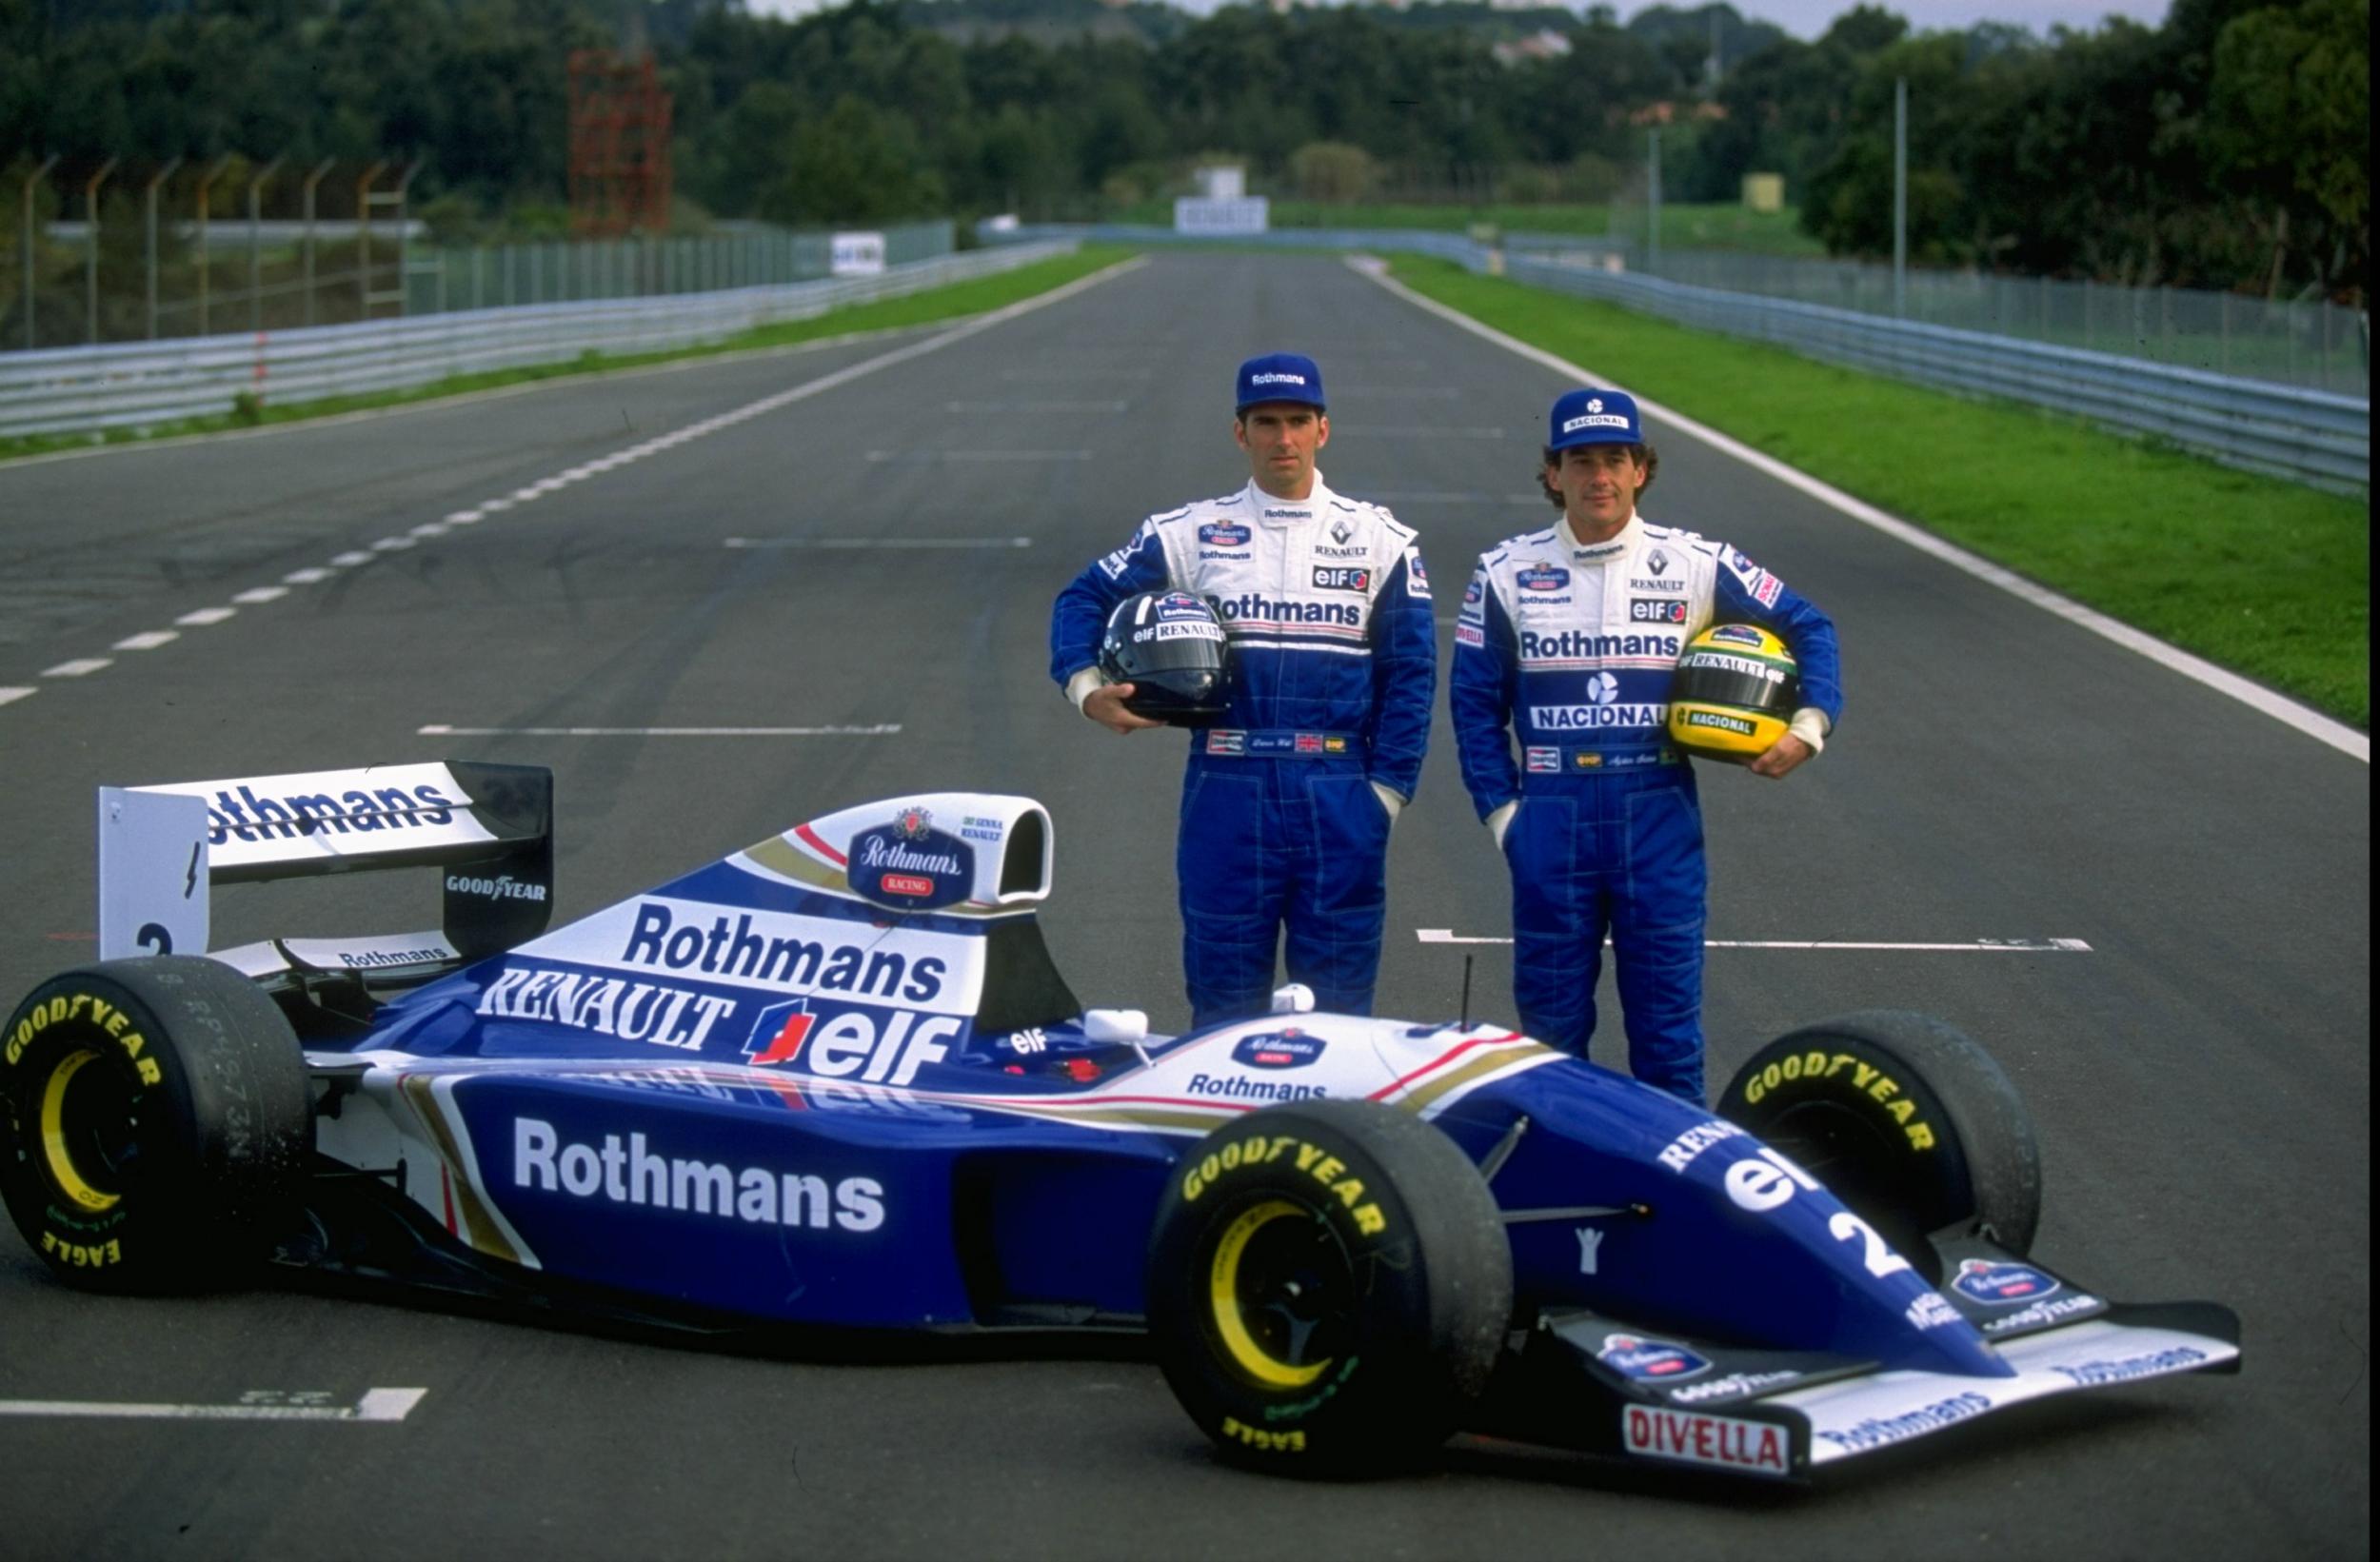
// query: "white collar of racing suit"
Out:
[1313,505]
[1618,544]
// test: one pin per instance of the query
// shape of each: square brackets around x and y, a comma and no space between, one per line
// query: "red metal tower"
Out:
[619,146]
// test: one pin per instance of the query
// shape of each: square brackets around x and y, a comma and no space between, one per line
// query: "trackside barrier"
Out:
[2308,436]
[146,384]
[2315,437]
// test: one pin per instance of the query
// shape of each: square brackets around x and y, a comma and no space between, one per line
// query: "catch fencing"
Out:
[2308,435]
[147,385]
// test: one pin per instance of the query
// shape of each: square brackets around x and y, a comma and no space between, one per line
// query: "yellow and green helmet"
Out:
[1735,690]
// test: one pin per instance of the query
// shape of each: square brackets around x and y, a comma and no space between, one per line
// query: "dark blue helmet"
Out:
[1170,646]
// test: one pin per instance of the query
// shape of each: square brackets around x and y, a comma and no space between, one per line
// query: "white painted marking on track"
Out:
[9,697]
[2280,707]
[883,729]
[462,518]
[147,639]
[80,667]
[257,595]
[350,558]
[1971,946]
[308,576]
[494,506]
[392,544]
[430,528]
[206,616]
[979,455]
[382,1405]
[880,542]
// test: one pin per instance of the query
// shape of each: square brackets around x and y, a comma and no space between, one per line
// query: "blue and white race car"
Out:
[835,1080]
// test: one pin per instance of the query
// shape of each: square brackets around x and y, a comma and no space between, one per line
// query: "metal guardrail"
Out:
[151,384]
[2308,436]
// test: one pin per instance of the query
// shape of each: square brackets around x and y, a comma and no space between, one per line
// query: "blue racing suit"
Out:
[1570,649]
[1334,668]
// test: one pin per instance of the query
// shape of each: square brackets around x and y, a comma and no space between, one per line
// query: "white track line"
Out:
[147,639]
[881,729]
[1972,946]
[376,1405]
[354,559]
[9,696]
[257,595]
[2280,707]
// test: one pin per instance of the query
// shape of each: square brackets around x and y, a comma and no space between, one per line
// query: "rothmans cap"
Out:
[1593,417]
[1278,377]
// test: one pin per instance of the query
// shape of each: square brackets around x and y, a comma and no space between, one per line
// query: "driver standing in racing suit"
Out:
[1286,808]
[1567,641]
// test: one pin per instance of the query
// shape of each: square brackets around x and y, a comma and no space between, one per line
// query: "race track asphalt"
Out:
[2200,1074]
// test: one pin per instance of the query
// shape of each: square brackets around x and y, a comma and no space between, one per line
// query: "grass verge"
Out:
[960,299]
[2268,578]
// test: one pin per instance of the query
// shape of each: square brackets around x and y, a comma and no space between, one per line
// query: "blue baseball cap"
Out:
[1593,417]
[1277,377]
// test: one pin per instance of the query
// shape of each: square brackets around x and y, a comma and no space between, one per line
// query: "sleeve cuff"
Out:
[1811,725]
[1500,819]
[1079,687]
[1389,800]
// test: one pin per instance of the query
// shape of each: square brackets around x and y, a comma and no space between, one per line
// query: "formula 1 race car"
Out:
[835,1079]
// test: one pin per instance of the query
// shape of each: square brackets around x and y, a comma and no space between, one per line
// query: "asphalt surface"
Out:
[2200,1075]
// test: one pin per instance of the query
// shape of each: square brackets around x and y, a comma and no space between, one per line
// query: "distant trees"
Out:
[2228,147]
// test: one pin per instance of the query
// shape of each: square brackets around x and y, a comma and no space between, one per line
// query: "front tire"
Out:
[1905,1119]
[158,1121]
[1329,1287]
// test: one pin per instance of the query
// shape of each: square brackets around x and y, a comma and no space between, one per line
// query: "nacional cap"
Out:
[1277,377]
[1593,417]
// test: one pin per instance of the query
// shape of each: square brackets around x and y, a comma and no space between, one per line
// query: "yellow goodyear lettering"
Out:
[150,1073]
[1247,1152]
[132,1043]
[82,1256]
[1328,1170]
[1257,1437]
[117,1020]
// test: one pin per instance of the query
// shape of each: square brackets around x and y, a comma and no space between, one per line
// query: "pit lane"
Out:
[2201,1077]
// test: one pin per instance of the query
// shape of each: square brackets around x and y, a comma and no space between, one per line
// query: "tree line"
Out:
[2225,149]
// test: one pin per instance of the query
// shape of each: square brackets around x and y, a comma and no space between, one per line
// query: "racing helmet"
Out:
[1171,647]
[1736,691]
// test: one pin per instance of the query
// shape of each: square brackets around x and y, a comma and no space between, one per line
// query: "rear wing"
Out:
[490,827]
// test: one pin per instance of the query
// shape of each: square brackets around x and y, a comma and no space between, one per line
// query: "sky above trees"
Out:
[1804,19]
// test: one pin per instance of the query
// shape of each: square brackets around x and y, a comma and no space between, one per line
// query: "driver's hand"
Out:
[1105,706]
[1782,757]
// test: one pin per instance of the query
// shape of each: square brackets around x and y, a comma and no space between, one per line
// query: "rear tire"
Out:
[1329,1287]
[158,1122]
[1905,1119]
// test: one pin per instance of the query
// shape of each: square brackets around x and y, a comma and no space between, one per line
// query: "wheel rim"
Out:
[86,1130]
[1281,1295]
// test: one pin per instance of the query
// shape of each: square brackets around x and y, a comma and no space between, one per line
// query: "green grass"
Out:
[1719,226]
[960,299]
[2268,578]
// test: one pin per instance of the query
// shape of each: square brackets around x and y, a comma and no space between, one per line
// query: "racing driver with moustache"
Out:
[1567,642]
[1287,803]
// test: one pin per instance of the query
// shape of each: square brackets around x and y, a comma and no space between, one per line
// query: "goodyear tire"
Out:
[158,1120]
[1905,1119]
[1328,1287]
